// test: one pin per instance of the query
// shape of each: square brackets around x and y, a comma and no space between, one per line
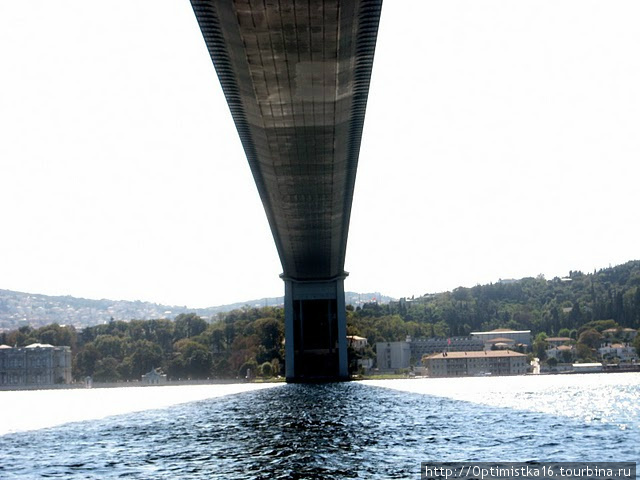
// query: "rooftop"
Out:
[501,340]
[501,330]
[39,345]
[618,329]
[475,354]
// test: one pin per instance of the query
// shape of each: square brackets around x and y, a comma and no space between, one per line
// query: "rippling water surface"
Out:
[376,430]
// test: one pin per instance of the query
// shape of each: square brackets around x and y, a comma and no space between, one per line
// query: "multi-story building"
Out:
[35,364]
[627,334]
[557,341]
[459,364]
[622,351]
[393,355]
[399,355]
[426,346]
[519,337]
[562,353]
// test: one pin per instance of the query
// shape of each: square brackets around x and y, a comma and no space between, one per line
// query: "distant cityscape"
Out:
[19,309]
[498,352]
[579,323]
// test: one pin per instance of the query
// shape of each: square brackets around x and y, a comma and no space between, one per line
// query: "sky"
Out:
[500,141]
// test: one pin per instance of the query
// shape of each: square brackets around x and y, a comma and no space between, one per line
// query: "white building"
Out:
[502,343]
[154,377]
[426,346]
[366,364]
[356,342]
[562,353]
[35,364]
[627,334]
[393,355]
[623,351]
[587,367]
[519,337]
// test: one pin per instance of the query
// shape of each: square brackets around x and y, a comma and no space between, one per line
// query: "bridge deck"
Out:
[296,77]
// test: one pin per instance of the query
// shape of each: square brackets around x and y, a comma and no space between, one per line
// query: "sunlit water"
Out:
[609,398]
[33,410]
[376,430]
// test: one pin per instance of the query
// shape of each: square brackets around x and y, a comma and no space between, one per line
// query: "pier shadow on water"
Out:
[327,431]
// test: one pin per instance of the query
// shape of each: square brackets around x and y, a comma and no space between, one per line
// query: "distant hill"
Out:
[351,298]
[18,309]
[610,296]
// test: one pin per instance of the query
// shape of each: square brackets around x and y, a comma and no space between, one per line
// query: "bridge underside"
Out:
[296,77]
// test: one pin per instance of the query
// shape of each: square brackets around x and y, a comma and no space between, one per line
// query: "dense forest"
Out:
[252,338]
[186,348]
[534,304]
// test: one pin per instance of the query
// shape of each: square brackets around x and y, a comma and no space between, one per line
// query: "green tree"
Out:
[56,335]
[143,356]
[540,346]
[636,343]
[85,361]
[191,360]
[188,325]
[110,346]
[106,370]
[217,340]
[591,338]
[248,370]
[564,332]
[584,353]
[266,370]
[270,334]
[221,368]
[162,332]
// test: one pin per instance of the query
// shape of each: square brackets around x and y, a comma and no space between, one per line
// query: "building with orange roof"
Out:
[461,364]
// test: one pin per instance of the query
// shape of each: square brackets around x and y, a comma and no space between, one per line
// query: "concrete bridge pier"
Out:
[315,330]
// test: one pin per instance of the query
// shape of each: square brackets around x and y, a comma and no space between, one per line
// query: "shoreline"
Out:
[135,384]
[237,381]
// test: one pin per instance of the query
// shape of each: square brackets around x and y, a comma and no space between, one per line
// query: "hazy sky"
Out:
[501,140]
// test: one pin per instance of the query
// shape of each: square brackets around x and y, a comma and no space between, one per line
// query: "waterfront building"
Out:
[562,353]
[587,367]
[154,377]
[519,337]
[393,355]
[426,346]
[400,355]
[35,364]
[500,343]
[460,364]
[623,351]
[365,365]
[356,342]
[627,334]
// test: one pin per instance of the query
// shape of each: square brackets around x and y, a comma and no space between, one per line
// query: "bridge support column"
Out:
[315,331]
